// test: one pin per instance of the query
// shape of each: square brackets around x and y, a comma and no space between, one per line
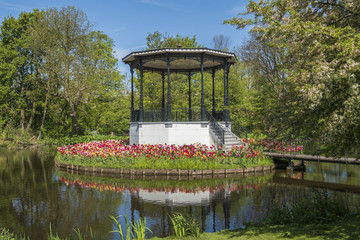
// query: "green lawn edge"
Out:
[348,228]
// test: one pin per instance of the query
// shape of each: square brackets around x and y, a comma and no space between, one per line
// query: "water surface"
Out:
[34,194]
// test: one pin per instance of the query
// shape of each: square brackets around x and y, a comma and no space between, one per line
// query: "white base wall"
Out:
[177,133]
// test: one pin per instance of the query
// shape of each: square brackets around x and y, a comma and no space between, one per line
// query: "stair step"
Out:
[232,143]
[232,140]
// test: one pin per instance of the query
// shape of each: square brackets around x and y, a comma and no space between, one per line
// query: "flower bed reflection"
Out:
[169,186]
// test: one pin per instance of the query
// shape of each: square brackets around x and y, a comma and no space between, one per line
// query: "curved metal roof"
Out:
[181,59]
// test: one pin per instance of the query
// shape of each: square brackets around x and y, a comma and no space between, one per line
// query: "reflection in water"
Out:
[33,195]
[334,173]
[32,198]
[209,200]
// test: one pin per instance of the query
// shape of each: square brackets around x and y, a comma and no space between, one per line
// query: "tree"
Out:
[322,38]
[268,85]
[76,60]
[159,40]
[221,42]
[20,92]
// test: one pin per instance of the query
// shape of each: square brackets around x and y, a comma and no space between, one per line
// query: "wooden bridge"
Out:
[303,157]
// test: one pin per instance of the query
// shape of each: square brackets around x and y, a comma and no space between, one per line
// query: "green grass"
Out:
[346,229]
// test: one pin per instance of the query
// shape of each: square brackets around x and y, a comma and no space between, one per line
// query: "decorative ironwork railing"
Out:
[216,127]
[218,116]
[239,130]
[161,115]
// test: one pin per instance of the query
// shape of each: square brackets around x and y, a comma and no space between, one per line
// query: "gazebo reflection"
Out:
[199,204]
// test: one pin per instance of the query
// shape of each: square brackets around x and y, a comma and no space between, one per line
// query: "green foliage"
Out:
[159,40]
[119,230]
[61,141]
[133,231]
[140,229]
[58,76]
[88,234]
[321,208]
[18,73]
[5,234]
[303,63]
[185,226]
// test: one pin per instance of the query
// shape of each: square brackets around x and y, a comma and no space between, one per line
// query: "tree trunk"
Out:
[74,120]
[31,117]
[44,115]
[22,113]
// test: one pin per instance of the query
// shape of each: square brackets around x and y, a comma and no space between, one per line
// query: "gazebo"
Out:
[180,126]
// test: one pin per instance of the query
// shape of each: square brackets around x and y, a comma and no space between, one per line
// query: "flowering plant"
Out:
[116,153]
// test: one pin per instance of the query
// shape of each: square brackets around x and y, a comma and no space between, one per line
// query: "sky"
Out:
[128,22]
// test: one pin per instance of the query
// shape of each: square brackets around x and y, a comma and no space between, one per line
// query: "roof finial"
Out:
[179,45]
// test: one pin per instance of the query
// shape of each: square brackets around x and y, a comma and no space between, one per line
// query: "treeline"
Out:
[298,76]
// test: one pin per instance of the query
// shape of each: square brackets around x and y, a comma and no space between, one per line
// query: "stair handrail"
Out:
[238,129]
[216,127]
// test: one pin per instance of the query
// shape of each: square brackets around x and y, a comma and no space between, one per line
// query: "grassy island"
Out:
[118,154]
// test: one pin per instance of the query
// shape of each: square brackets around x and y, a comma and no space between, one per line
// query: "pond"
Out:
[34,194]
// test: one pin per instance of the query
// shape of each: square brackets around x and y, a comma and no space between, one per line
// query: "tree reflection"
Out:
[34,198]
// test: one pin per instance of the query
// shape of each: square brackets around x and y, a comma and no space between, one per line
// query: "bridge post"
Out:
[290,166]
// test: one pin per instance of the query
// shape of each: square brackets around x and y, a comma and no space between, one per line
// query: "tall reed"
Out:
[185,226]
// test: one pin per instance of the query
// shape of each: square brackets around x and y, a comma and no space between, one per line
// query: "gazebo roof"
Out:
[181,59]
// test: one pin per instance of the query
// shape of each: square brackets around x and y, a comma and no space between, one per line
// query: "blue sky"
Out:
[128,22]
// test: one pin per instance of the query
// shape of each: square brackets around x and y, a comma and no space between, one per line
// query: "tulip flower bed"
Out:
[117,154]
[275,146]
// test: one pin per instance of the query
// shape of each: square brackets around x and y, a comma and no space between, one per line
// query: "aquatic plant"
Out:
[133,231]
[185,226]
